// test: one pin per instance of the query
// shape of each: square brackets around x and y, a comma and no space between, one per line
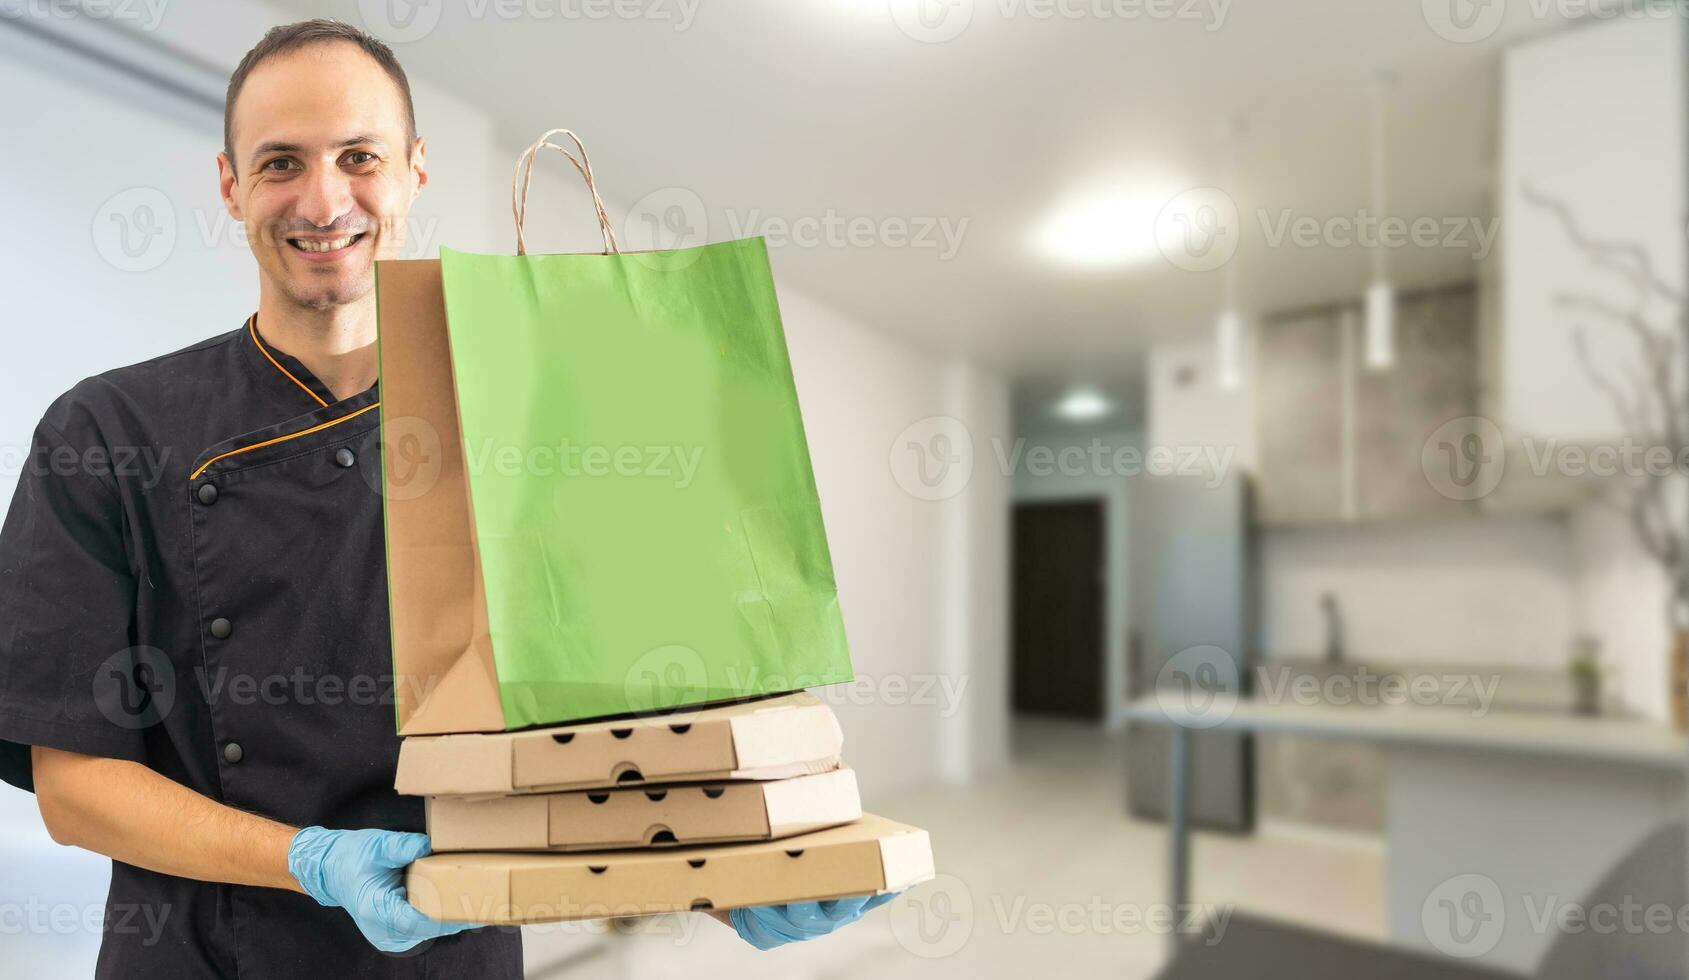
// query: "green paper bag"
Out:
[621,514]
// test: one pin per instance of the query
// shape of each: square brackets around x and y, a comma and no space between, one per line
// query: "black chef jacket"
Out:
[192,577]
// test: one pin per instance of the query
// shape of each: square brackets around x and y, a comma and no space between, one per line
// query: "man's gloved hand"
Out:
[362,871]
[768,926]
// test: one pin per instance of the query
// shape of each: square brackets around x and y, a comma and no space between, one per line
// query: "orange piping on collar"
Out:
[252,325]
[270,442]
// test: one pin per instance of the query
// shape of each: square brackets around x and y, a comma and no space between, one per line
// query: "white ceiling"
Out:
[827,107]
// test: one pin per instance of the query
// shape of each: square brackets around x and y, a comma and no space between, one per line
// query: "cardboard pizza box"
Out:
[870,856]
[645,816]
[768,738]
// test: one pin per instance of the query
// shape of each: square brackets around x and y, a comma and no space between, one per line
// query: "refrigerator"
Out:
[1191,584]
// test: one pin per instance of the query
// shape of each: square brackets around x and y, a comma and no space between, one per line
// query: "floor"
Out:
[1039,866]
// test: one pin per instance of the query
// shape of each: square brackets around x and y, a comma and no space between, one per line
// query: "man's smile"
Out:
[326,249]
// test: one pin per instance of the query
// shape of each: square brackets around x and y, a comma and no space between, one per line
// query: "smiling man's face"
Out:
[324,171]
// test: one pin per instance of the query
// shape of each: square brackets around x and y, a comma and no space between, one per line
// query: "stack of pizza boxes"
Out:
[698,809]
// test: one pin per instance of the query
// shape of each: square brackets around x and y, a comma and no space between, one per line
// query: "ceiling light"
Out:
[1083,404]
[1113,229]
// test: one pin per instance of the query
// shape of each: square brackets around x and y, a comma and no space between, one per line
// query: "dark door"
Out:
[1057,611]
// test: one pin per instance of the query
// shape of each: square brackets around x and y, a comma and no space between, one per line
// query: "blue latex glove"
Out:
[768,926]
[362,871]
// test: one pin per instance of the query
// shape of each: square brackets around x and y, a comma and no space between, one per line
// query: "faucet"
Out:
[1333,628]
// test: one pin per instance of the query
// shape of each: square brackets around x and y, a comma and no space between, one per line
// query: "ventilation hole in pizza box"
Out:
[598,869]
[714,792]
[664,836]
[680,729]
[598,797]
[621,732]
[695,862]
[703,905]
[795,854]
[627,772]
[656,795]
[563,739]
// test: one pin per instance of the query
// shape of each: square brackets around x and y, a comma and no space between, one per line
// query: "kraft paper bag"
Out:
[598,490]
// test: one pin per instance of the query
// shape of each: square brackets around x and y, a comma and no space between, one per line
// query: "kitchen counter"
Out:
[1515,811]
[1625,741]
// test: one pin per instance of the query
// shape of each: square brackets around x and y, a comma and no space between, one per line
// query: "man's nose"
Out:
[326,197]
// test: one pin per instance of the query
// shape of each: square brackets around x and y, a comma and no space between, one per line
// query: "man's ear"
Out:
[227,184]
[419,166]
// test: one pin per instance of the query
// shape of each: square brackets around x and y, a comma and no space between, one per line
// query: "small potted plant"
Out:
[1586,675]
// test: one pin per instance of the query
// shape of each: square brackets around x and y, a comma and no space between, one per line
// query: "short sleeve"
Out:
[68,666]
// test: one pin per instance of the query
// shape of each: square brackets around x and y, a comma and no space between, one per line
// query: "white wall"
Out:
[1188,406]
[1490,591]
[1594,118]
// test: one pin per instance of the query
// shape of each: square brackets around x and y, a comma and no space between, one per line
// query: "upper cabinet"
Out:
[1341,442]
[1592,193]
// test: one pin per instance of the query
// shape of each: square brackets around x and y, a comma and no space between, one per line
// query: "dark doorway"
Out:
[1057,611]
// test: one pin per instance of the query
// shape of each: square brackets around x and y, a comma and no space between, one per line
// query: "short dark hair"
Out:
[292,37]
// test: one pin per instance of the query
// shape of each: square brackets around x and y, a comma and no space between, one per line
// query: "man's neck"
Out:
[337,344]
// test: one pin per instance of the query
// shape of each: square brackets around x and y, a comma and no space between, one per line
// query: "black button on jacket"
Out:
[192,577]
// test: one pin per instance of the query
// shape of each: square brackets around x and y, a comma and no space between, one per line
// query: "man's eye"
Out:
[358,158]
[277,165]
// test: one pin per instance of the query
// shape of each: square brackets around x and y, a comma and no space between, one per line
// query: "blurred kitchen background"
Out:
[1247,432]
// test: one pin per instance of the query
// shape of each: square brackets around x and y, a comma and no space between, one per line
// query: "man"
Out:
[195,676]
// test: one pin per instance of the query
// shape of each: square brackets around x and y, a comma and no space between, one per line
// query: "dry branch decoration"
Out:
[1647,391]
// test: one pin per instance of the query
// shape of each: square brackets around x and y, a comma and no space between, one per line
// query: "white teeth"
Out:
[329,246]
